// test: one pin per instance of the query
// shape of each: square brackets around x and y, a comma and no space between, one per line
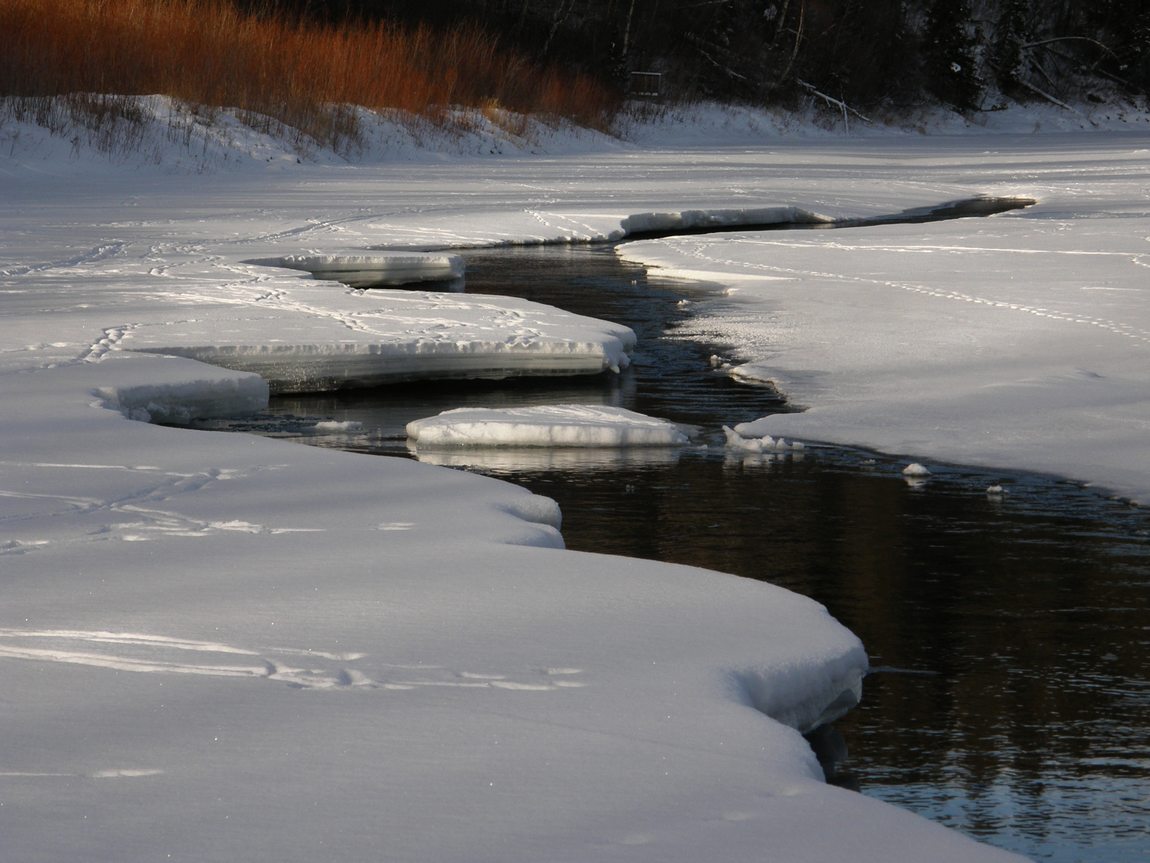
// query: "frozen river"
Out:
[227,647]
[1007,633]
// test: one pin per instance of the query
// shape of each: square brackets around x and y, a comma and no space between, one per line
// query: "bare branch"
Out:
[1054,101]
[831,100]
[1043,42]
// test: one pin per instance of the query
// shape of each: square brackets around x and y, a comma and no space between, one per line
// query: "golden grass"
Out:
[295,73]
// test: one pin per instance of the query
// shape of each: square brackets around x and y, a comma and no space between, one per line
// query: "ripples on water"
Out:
[1010,635]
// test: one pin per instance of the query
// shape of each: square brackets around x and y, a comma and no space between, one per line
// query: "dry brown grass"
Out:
[291,72]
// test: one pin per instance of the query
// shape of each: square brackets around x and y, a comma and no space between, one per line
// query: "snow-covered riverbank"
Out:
[1018,341]
[220,648]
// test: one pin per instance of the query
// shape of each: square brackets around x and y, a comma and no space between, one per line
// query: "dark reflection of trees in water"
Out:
[1026,617]
[1023,617]
[1027,611]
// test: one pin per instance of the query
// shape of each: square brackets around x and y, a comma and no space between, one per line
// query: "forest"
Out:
[970,54]
[303,67]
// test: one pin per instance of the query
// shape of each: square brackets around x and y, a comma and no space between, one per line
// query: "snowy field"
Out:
[221,648]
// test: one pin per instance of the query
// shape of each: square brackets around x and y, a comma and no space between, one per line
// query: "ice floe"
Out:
[545,426]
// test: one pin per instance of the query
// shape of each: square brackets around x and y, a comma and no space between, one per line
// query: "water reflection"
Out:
[1010,631]
[510,461]
[1025,616]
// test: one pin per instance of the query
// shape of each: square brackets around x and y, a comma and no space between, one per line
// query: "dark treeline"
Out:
[966,53]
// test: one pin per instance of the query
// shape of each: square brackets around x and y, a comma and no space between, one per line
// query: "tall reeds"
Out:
[294,72]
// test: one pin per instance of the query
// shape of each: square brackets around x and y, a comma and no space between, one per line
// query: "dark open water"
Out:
[1010,636]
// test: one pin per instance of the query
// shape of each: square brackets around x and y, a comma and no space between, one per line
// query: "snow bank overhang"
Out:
[979,206]
[362,271]
[583,426]
[650,226]
[296,368]
[653,226]
[805,697]
[176,392]
[310,339]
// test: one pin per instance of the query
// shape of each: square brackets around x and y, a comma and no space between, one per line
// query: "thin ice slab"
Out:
[364,271]
[313,339]
[545,426]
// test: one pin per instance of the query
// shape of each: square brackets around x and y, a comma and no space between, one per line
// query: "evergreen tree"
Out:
[1009,37]
[949,55]
[1123,26]
[860,51]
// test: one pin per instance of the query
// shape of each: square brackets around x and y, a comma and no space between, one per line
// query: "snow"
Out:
[280,653]
[362,271]
[1019,341]
[318,339]
[307,336]
[562,425]
[218,647]
[700,221]
[742,438]
[175,392]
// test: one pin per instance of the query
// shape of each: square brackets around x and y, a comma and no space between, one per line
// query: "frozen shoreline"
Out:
[1018,342]
[228,647]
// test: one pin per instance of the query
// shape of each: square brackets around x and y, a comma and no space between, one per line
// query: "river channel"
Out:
[1010,635]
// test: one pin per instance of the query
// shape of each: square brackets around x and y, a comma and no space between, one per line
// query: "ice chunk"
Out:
[545,426]
[338,427]
[914,469]
[737,438]
[737,441]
